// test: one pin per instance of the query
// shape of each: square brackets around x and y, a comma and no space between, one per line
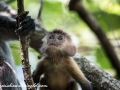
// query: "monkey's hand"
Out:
[27,26]
[35,77]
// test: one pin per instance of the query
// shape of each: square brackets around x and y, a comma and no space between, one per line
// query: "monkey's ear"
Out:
[70,50]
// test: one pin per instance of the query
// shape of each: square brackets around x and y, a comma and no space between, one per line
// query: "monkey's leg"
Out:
[72,86]
[42,82]
[8,77]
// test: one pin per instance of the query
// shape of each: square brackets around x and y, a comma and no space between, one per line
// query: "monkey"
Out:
[59,69]
[10,32]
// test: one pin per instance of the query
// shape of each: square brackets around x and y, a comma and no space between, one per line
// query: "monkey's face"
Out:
[53,43]
[58,43]
[55,40]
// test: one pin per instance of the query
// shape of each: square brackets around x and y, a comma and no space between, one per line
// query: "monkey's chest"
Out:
[57,77]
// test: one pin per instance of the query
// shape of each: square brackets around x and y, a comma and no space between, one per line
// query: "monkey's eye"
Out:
[51,37]
[60,38]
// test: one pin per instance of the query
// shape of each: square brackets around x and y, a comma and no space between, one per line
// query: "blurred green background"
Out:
[56,14]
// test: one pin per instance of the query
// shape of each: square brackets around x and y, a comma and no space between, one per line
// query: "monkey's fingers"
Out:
[24,31]
[25,25]
[26,20]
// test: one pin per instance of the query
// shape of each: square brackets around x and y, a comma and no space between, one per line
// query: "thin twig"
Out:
[40,10]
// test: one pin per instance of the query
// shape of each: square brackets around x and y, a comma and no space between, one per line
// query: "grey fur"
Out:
[7,75]
[7,33]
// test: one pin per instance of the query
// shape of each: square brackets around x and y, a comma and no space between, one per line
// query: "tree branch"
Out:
[76,5]
[24,42]
[100,79]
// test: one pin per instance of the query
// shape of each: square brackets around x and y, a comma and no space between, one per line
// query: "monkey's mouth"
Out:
[52,44]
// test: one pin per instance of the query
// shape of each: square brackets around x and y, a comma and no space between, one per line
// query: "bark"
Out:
[99,79]
[76,5]
[24,43]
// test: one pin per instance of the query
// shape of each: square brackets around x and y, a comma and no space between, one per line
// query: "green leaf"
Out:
[102,59]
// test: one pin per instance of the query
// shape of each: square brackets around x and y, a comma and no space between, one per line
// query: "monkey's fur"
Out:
[60,71]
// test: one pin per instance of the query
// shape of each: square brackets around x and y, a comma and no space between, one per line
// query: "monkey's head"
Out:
[58,42]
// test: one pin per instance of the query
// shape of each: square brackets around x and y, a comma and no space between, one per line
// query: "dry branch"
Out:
[24,43]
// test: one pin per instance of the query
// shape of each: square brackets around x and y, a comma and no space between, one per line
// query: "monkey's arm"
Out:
[8,27]
[77,74]
[38,71]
